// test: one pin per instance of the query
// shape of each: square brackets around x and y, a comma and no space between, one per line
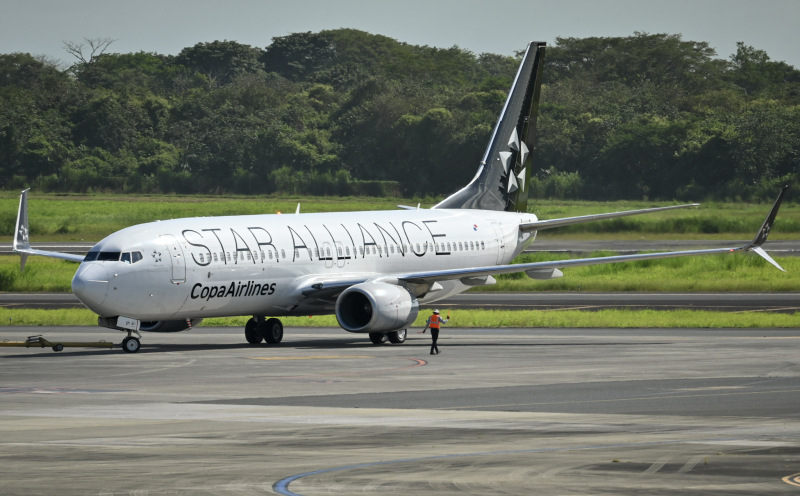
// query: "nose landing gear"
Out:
[131,344]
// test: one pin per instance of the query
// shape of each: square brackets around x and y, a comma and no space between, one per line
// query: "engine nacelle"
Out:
[376,307]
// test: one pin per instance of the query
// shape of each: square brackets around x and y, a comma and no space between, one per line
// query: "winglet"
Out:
[766,227]
[21,240]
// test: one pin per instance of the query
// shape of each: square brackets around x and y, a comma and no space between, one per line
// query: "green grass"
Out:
[92,217]
[738,272]
[708,221]
[475,319]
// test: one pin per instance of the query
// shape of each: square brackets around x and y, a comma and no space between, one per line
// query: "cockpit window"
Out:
[113,256]
[108,256]
[131,257]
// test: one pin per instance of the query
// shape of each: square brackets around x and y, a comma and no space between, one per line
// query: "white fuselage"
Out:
[260,264]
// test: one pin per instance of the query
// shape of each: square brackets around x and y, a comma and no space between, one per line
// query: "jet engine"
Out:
[376,307]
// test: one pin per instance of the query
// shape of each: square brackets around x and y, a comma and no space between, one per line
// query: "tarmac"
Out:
[499,411]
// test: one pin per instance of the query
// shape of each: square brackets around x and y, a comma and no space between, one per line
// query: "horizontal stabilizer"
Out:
[566,221]
[22,244]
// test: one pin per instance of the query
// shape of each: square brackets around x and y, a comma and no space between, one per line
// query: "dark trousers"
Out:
[434,337]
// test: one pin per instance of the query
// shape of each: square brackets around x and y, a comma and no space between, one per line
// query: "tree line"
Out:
[344,112]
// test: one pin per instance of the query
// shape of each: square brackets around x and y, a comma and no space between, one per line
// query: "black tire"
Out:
[251,333]
[377,337]
[58,347]
[398,337]
[130,345]
[273,331]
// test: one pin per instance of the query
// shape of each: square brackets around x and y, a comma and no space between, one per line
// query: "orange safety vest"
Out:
[434,321]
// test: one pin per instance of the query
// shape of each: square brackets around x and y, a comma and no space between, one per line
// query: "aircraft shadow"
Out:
[313,344]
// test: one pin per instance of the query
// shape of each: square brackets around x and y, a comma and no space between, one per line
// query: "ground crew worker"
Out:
[434,321]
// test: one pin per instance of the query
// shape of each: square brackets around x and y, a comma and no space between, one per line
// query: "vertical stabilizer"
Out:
[503,177]
[21,233]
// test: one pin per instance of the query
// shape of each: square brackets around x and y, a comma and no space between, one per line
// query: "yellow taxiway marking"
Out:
[314,357]
[793,479]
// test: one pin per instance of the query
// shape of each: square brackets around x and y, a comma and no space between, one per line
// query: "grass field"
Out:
[474,319]
[90,218]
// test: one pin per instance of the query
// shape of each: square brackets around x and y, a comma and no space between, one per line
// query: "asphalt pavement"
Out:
[499,411]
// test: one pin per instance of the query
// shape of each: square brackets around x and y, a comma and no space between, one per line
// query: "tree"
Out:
[221,61]
[89,49]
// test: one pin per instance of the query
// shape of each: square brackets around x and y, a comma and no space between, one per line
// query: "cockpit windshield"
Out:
[129,257]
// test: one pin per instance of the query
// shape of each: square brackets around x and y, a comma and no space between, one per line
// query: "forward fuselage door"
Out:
[176,258]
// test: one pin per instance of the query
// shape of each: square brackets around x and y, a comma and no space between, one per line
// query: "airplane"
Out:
[371,269]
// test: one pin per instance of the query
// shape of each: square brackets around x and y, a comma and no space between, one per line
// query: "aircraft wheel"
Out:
[398,337]
[58,347]
[273,331]
[377,337]
[251,333]
[130,345]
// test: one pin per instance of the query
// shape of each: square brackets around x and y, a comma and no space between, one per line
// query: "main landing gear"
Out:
[257,329]
[395,337]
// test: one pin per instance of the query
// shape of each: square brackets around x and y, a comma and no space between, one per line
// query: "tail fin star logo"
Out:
[515,145]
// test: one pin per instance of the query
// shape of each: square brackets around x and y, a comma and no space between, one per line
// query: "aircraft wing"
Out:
[543,267]
[22,244]
[566,221]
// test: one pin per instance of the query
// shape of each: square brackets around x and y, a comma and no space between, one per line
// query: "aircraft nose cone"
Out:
[90,285]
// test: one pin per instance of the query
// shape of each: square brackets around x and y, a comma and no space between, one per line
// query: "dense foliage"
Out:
[345,112]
